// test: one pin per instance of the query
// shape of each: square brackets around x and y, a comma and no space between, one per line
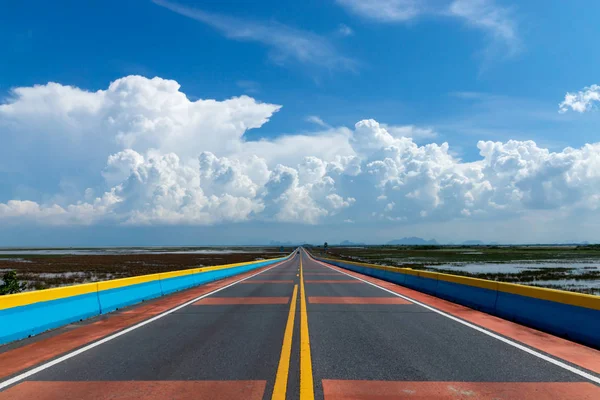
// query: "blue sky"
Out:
[447,71]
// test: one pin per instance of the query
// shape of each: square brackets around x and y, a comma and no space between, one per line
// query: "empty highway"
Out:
[300,329]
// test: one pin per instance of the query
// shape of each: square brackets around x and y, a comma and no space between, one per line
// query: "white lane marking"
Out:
[480,329]
[49,364]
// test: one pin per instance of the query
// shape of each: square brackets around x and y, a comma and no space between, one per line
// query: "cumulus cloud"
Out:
[67,131]
[582,101]
[485,15]
[411,131]
[159,158]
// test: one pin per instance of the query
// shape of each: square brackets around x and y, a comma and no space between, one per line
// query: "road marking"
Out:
[147,390]
[479,329]
[218,301]
[286,352]
[365,390]
[306,375]
[356,300]
[72,354]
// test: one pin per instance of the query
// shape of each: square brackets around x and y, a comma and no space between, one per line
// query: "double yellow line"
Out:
[306,377]
[283,370]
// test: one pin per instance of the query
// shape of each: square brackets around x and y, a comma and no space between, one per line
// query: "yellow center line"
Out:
[281,379]
[306,374]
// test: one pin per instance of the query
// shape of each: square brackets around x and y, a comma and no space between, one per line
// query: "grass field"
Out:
[574,268]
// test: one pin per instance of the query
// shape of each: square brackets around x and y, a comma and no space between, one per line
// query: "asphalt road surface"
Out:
[298,330]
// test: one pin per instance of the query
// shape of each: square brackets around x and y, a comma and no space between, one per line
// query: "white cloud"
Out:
[344,30]
[385,10]
[286,43]
[482,14]
[134,112]
[581,101]
[491,18]
[167,160]
[317,121]
[411,131]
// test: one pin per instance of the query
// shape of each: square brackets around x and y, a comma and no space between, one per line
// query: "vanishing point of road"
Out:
[299,329]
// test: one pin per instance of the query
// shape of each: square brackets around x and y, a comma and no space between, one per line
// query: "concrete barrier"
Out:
[570,315]
[179,280]
[27,314]
[118,293]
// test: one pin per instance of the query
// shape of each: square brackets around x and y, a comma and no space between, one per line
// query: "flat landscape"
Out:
[573,268]
[48,268]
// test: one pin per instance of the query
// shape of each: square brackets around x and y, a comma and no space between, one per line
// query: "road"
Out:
[297,330]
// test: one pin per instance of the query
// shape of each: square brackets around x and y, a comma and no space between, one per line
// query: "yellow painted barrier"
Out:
[465,280]
[118,283]
[23,299]
[559,296]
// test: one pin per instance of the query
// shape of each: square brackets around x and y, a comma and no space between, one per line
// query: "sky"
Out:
[234,122]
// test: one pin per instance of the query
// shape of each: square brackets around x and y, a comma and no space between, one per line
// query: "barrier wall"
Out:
[30,313]
[570,315]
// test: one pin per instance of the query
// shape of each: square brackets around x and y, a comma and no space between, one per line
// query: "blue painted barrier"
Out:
[21,322]
[473,297]
[112,299]
[30,313]
[579,324]
[170,285]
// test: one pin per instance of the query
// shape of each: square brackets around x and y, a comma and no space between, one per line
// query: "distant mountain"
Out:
[278,243]
[568,243]
[349,243]
[413,241]
[473,243]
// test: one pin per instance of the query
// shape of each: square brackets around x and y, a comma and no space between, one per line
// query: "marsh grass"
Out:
[50,270]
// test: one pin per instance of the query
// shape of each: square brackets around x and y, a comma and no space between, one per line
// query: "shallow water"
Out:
[515,268]
[572,268]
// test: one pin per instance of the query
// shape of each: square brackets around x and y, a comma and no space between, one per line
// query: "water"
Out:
[515,268]
[571,270]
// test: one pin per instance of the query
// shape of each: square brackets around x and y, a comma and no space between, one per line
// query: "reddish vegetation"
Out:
[40,272]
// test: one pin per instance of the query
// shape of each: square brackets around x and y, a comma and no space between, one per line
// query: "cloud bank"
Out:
[140,152]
